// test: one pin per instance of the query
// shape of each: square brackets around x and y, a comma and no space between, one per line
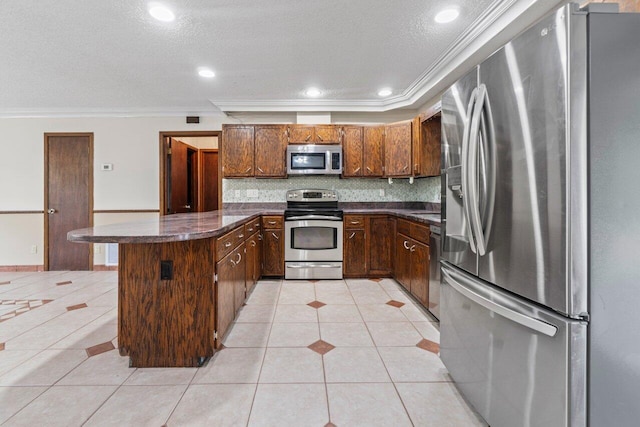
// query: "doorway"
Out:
[68,199]
[190,178]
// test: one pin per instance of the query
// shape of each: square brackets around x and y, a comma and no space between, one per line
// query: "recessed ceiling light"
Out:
[312,92]
[161,13]
[447,15]
[205,72]
[385,92]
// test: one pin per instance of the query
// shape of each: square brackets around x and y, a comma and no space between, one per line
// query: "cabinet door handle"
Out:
[352,234]
[187,206]
[308,137]
[248,169]
[226,245]
[239,258]
[259,236]
[260,170]
[275,236]
[319,137]
[369,169]
[406,244]
[413,248]
[405,168]
[415,167]
[253,243]
[357,170]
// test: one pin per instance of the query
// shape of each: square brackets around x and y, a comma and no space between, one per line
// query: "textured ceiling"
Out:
[112,56]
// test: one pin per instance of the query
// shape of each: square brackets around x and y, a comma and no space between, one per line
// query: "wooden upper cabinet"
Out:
[430,141]
[373,151]
[328,134]
[270,151]
[318,134]
[237,151]
[353,150]
[397,149]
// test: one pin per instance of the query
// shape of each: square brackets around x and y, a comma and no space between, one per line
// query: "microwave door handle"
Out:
[465,171]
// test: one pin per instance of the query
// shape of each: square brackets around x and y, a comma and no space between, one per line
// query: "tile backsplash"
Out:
[252,190]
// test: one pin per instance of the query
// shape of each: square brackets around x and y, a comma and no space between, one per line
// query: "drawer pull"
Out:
[406,245]
[355,222]
[228,244]
[271,222]
[240,236]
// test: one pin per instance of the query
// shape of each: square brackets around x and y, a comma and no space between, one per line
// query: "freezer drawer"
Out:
[516,363]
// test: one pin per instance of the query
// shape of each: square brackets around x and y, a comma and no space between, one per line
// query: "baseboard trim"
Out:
[102,267]
[34,268]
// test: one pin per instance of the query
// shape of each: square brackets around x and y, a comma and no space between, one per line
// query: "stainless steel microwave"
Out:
[314,159]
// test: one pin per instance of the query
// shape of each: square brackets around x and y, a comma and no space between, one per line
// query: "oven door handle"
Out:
[311,217]
[315,266]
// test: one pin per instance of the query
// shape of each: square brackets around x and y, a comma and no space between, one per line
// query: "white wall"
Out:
[131,144]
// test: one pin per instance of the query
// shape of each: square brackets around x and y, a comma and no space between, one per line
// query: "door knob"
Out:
[51,211]
[187,206]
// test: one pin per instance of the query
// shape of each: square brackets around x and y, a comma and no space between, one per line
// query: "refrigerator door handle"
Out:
[465,175]
[489,172]
[472,172]
[524,320]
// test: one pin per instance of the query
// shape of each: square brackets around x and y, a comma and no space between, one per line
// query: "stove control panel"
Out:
[312,195]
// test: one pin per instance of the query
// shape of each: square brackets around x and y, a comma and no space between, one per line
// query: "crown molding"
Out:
[30,113]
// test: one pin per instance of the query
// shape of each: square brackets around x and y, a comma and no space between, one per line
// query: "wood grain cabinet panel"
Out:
[237,151]
[239,277]
[270,151]
[412,259]
[381,232]
[402,270]
[273,245]
[368,245]
[353,151]
[397,149]
[373,155]
[253,264]
[355,259]
[166,323]
[314,134]
[420,272]
[430,138]
[225,295]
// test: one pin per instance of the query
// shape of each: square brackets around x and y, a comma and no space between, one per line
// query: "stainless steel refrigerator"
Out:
[541,225]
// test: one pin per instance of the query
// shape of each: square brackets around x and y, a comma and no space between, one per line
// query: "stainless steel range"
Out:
[313,235]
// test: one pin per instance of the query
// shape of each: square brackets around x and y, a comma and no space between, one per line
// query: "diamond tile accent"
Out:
[76,307]
[428,345]
[1,346]
[314,280]
[321,347]
[68,282]
[5,283]
[395,303]
[376,280]
[330,425]
[316,304]
[100,348]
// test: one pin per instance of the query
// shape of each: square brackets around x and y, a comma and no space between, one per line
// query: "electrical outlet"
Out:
[382,192]
[253,193]
[34,249]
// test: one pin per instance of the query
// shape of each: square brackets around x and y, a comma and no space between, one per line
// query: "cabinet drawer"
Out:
[354,221]
[251,227]
[272,221]
[420,232]
[404,227]
[228,242]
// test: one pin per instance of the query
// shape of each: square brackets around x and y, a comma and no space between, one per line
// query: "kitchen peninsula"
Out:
[182,278]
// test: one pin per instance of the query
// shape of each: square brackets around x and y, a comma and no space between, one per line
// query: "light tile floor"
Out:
[301,353]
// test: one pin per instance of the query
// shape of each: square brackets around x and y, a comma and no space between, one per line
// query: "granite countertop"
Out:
[193,226]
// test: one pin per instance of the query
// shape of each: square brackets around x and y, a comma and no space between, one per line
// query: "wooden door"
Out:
[237,151]
[327,134]
[273,253]
[402,265]
[353,151]
[68,199]
[208,180]
[420,272]
[397,149]
[271,151]
[225,296]
[373,155]
[381,234]
[178,193]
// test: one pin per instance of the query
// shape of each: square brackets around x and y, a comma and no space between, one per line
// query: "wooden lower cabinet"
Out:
[225,295]
[254,260]
[273,245]
[412,267]
[368,245]
[166,323]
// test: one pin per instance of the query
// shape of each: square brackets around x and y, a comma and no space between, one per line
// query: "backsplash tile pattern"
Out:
[349,190]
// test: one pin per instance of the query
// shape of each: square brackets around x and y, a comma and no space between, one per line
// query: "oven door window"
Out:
[314,238]
[301,161]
